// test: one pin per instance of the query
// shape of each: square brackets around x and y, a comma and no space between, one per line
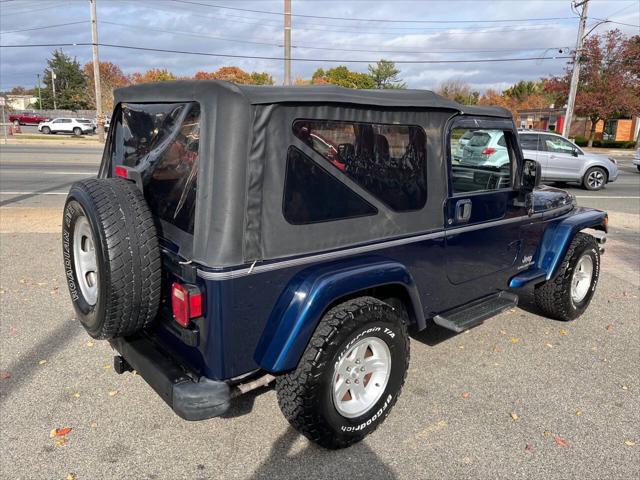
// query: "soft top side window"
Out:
[388,161]
[482,161]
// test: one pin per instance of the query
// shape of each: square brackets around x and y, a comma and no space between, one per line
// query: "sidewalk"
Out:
[38,139]
[620,152]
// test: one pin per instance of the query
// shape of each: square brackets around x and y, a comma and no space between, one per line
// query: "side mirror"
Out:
[531,175]
[574,152]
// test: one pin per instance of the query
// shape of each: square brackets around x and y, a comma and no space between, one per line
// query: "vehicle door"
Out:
[57,125]
[563,160]
[66,125]
[482,214]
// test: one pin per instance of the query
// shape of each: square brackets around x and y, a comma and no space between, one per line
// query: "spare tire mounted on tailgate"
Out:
[111,257]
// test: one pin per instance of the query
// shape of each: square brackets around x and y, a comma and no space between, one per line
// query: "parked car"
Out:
[563,161]
[220,249]
[485,148]
[87,121]
[27,118]
[636,159]
[77,126]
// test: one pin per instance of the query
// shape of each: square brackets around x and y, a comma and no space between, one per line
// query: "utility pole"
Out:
[53,85]
[287,42]
[39,92]
[96,70]
[575,75]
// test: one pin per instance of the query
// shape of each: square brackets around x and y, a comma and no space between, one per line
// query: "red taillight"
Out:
[122,172]
[186,303]
[488,151]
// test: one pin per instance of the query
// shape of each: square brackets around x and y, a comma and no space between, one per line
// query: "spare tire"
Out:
[111,257]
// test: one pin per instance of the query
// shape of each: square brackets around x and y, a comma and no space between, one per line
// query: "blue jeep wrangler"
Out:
[237,235]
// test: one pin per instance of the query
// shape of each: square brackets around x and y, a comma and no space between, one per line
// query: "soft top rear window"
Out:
[162,140]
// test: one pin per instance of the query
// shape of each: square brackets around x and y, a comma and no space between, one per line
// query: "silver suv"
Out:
[563,161]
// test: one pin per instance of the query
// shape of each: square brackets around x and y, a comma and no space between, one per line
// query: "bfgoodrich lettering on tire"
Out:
[568,295]
[350,375]
[111,257]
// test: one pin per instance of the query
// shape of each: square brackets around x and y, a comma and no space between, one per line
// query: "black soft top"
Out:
[243,149]
[263,95]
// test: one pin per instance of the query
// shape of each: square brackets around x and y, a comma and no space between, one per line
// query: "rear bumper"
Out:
[190,399]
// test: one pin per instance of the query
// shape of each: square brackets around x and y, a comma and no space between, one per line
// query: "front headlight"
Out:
[613,160]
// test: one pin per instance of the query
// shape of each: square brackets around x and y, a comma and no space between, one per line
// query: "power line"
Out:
[44,27]
[370,19]
[259,57]
[604,20]
[356,29]
[328,48]
[30,11]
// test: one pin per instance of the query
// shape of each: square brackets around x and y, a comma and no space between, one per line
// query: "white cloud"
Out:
[19,66]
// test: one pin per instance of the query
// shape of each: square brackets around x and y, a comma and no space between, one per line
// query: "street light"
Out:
[53,85]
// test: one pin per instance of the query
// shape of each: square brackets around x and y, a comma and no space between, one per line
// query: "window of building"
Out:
[481,160]
[388,161]
[312,195]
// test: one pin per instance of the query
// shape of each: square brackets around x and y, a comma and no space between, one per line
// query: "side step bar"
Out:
[462,318]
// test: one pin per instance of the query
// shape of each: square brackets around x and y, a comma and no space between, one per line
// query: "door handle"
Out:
[463,210]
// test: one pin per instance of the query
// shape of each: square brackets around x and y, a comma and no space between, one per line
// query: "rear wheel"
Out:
[111,257]
[16,123]
[568,295]
[46,130]
[350,375]
[595,178]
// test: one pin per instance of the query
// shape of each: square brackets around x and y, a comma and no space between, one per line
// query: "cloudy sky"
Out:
[357,31]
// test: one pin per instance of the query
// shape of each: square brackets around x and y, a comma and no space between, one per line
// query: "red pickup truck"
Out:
[27,118]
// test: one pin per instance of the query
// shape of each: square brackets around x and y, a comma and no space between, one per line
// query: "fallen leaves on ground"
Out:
[436,427]
[107,366]
[42,362]
[59,432]
[630,443]
[76,395]
[5,375]
[560,441]
[113,393]
[71,476]
[578,413]
[466,394]
[515,340]
[549,345]
[609,327]
[563,331]
[93,425]
[528,447]
[514,415]
[89,343]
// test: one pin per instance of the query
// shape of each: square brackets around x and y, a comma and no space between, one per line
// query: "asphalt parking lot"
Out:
[518,397]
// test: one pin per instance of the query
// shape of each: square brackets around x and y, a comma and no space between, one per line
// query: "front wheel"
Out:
[16,123]
[568,295]
[350,375]
[595,178]
[77,131]
[46,130]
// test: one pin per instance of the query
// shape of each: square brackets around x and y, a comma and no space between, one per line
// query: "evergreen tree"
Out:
[70,82]
[385,75]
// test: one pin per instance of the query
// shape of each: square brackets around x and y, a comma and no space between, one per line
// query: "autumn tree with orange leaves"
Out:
[609,84]
[111,77]
[236,75]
